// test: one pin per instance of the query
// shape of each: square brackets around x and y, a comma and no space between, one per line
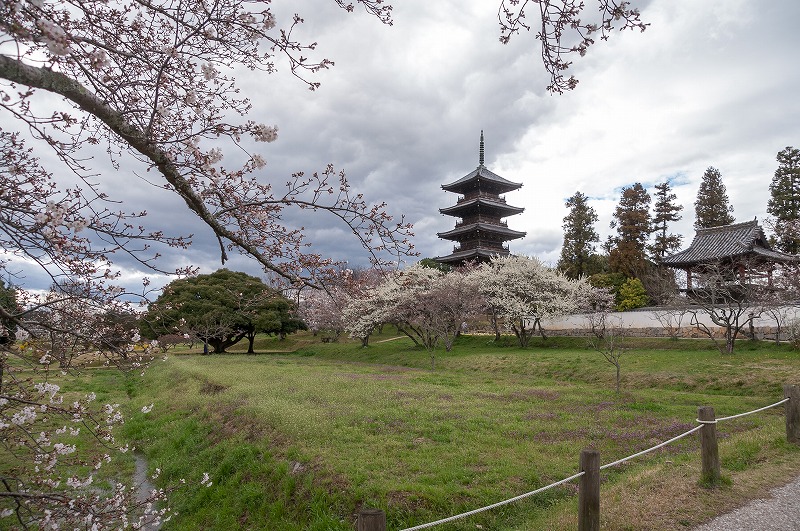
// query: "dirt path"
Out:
[390,339]
[779,512]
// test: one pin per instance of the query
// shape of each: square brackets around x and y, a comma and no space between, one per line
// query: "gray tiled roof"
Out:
[471,254]
[483,173]
[728,241]
[509,234]
[483,202]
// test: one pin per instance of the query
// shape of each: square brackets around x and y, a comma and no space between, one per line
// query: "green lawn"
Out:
[301,440]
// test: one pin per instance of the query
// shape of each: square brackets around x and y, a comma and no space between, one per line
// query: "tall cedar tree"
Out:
[632,221]
[579,237]
[712,208]
[784,201]
[665,211]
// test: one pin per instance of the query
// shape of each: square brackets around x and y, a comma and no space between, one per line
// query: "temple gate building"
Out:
[481,232]
[738,253]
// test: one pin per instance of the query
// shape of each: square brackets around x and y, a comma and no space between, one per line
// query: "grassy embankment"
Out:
[300,440]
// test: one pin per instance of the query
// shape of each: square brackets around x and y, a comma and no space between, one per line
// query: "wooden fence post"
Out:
[792,392]
[708,446]
[371,520]
[589,491]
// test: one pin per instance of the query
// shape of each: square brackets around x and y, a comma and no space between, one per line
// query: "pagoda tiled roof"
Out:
[482,173]
[728,242]
[494,203]
[508,234]
[471,254]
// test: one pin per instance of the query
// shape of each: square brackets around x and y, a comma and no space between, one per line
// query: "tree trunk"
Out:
[495,326]
[729,339]
[538,323]
[251,339]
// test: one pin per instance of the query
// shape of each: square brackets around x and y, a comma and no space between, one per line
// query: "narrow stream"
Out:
[143,485]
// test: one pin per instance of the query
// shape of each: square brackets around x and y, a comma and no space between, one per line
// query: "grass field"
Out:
[303,434]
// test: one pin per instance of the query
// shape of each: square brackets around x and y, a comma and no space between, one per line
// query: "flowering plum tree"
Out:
[523,291]
[324,310]
[396,300]
[428,305]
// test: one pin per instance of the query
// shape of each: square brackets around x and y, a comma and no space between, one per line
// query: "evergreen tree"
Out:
[8,303]
[665,211]
[712,208]
[221,309]
[784,201]
[633,224]
[579,238]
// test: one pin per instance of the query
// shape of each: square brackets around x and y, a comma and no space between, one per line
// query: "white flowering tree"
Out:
[394,301]
[362,315]
[427,304]
[523,291]
[450,302]
[323,310]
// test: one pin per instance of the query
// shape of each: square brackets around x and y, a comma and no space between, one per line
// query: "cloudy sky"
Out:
[711,83]
[708,84]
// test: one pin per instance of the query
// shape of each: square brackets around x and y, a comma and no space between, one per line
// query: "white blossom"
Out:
[209,72]
[265,133]
[214,155]
[258,161]
[25,415]
[269,21]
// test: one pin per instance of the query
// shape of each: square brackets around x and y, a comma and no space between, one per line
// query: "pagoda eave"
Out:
[479,203]
[471,254]
[481,174]
[486,228]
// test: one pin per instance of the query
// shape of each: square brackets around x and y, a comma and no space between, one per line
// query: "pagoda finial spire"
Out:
[480,160]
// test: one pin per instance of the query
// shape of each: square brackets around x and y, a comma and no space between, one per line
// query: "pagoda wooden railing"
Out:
[481,219]
[467,246]
[485,195]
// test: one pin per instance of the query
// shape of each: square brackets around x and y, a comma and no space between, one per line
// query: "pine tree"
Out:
[632,221]
[579,238]
[712,208]
[665,211]
[784,201]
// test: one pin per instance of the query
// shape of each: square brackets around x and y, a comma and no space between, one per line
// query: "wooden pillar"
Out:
[589,491]
[792,392]
[709,450]
[371,520]
[688,281]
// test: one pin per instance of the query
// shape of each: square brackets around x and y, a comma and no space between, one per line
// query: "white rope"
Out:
[754,411]
[656,447]
[741,414]
[498,504]
[579,474]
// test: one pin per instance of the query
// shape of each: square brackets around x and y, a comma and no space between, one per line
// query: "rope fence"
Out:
[588,518]
[492,506]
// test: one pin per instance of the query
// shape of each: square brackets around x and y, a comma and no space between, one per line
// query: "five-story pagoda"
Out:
[481,232]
